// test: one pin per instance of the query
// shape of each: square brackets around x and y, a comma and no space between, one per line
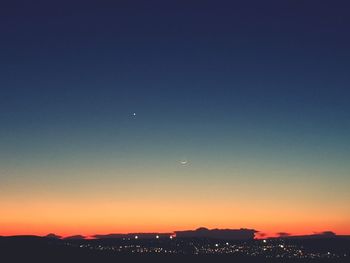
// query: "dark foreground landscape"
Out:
[49,249]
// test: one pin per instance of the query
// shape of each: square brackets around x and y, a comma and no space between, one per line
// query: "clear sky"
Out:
[242,116]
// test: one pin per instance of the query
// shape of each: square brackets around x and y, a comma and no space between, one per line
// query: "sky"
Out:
[143,116]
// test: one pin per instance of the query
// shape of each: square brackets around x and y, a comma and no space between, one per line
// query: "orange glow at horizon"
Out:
[90,217]
[92,200]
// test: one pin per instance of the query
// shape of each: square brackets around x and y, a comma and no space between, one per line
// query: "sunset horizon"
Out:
[131,116]
[91,235]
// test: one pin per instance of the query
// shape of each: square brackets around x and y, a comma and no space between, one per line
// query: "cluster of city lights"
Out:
[172,245]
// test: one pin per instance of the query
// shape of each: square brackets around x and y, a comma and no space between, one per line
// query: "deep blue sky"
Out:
[254,84]
[203,68]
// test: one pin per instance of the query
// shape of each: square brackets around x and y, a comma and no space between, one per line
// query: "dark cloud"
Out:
[283,234]
[202,232]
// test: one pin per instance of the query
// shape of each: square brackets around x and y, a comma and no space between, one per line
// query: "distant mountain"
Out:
[51,235]
[75,237]
[322,235]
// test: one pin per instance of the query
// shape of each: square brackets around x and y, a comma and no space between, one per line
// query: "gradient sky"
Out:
[255,96]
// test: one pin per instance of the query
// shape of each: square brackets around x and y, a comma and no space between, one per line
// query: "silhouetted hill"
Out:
[51,235]
[134,235]
[75,237]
